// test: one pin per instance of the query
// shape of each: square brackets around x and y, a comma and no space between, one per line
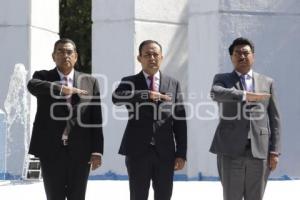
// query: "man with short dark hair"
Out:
[247,139]
[155,139]
[67,131]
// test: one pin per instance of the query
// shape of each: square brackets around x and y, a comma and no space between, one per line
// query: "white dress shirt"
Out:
[156,79]
[248,81]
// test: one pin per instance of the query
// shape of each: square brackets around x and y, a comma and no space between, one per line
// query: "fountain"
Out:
[14,126]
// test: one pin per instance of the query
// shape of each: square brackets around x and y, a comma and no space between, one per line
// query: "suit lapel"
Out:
[141,83]
[236,81]
[164,84]
[75,97]
[256,82]
[54,76]
[75,79]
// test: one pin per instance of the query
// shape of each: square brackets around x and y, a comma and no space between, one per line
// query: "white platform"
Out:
[119,190]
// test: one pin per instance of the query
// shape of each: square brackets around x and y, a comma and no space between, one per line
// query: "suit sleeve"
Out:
[220,92]
[97,130]
[179,125]
[274,120]
[126,93]
[39,85]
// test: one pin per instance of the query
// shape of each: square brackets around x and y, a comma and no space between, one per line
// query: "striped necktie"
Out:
[247,85]
[66,83]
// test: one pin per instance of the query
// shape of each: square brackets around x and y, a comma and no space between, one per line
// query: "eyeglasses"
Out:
[240,53]
[69,52]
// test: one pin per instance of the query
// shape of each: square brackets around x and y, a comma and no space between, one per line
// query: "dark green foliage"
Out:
[76,24]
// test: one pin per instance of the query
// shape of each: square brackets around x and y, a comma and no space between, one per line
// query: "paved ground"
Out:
[118,190]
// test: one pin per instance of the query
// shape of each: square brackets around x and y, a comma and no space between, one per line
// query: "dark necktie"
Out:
[151,88]
[151,83]
[65,134]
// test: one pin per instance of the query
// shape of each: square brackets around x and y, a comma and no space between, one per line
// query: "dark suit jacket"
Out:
[239,119]
[165,121]
[84,117]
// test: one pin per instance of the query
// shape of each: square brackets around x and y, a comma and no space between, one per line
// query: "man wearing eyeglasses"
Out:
[247,139]
[155,139]
[67,133]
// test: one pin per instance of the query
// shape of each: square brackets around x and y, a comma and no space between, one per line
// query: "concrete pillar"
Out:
[166,22]
[28,30]
[273,26]
[118,28]
[204,47]
[2,145]
[112,58]
[194,57]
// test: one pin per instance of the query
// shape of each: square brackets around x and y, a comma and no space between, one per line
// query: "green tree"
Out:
[76,24]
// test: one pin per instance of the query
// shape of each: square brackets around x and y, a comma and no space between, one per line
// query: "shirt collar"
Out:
[156,76]
[70,76]
[250,73]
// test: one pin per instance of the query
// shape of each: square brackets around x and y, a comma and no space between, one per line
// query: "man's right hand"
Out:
[157,96]
[72,90]
[253,97]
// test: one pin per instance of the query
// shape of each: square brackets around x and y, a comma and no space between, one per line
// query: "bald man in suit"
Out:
[155,139]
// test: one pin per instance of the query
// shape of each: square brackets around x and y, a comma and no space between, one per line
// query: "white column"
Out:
[194,57]
[119,26]
[166,22]
[274,28]
[203,59]
[2,145]
[112,58]
[28,30]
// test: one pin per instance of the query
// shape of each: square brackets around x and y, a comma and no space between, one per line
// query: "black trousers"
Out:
[64,177]
[143,169]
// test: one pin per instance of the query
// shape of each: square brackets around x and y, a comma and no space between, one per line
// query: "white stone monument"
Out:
[28,30]
[195,35]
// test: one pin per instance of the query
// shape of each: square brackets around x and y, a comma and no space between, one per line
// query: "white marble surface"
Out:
[119,190]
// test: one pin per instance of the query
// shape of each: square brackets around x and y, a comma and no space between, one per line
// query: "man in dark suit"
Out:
[67,133]
[247,139]
[155,139]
